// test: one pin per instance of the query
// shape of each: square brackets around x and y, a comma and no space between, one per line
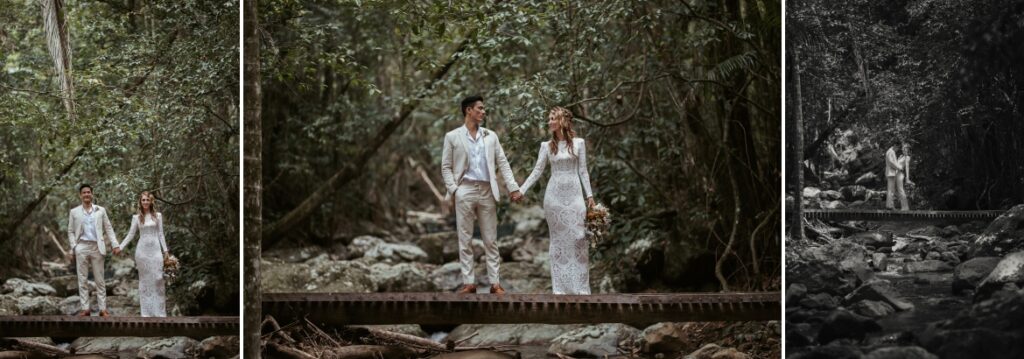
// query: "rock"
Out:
[1004,235]
[433,244]
[830,195]
[317,275]
[670,338]
[403,277]
[394,253]
[950,258]
[873,309]
[447,277]
[832,205]
[120,267]
[475,354]
[795,293]
[928,265]
[219,347]
[362,244]
[64,285]
[873,239]
[713,351]
[1009,270]
[121,347]
[38,305]
[19,287]
[508,244]
[854,193]
[836,268]
[844,324]
[930,232]
[527,219]
[878,260]
[911,352]
[969,274]
[293,255]
[799,334]
[170,348]
[933,255]
[819,301]
[811,192]
[521,277]
[595,341]
[509,334]
[867,178]
[878,291]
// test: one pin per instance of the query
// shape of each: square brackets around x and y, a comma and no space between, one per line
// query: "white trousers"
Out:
[87,254]
[896,185]
[474,203]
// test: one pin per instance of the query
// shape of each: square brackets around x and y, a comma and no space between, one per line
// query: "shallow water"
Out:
[933,301]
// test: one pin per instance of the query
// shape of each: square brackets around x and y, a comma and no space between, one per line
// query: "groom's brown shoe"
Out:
[84,313]
[104,313]
[467,289]
[497,289]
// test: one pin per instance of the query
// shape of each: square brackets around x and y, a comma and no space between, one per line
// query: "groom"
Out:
[469,161]
[88,227]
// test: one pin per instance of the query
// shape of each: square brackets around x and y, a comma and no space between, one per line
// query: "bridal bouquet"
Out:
[598,223]
[171,268]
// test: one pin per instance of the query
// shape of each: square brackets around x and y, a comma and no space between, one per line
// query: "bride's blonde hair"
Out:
[564,118]
[152,207]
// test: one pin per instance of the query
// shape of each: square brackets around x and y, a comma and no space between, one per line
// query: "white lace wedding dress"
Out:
[149,260]
[565,210]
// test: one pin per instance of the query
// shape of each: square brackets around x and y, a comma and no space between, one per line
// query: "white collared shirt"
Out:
[477,156]
[88,225]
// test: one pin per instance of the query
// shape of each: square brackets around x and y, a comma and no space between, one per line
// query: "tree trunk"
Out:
[252,147]
[798,222]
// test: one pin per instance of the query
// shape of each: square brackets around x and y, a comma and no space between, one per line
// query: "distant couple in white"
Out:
[89,230]
[897,175]
[474,167]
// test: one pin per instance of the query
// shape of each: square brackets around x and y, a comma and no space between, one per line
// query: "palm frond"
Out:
[732,65]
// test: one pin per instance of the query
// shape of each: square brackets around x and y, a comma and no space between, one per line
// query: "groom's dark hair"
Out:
[469,102]
[84,186]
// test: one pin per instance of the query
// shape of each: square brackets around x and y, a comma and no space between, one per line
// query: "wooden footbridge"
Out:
[899,216]
[452,308]
[70,326]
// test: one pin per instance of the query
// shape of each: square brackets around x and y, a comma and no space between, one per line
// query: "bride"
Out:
[564,207]
[149,256]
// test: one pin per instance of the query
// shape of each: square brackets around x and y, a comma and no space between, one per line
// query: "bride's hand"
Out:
[590,202]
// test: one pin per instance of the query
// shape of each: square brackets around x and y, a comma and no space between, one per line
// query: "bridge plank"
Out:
[899,216]
[72,326]
[451,308]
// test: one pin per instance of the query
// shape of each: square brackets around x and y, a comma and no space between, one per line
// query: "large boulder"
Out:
[403,277]
[528,219]
[38,305]
[1004,235]
[219,347]
[835,268]
[170,348]
[670,338]
[1009,270]
[873,308]
[714,351]
[118,347]
[19,287]
[879,291]
[595,341]
[842,324]
[377,250]
[969,274]
[874,239]
[811,192]
[320,274]
[911,352]
[508,334]
[990,328]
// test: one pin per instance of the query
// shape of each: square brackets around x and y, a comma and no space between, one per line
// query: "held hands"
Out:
[517,197]
[117,251]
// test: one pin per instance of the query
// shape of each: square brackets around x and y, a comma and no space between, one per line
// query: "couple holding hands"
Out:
[89,230]
[472,166]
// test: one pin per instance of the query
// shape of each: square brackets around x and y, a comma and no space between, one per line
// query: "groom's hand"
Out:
[516,196]
[117,251]
[70,257]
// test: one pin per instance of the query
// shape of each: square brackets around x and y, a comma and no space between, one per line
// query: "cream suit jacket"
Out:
[455,162]
[104,231]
